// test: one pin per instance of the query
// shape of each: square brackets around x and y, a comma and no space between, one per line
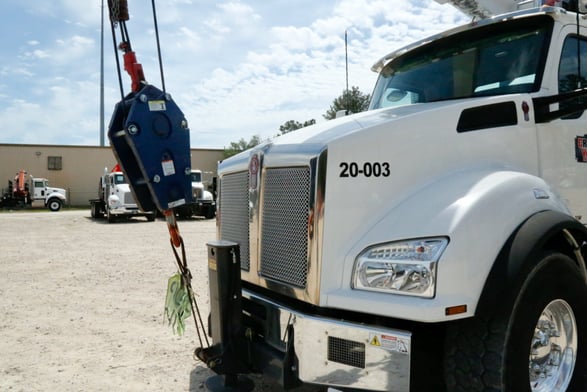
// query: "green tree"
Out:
[241,145]
[292,125]
[353,100]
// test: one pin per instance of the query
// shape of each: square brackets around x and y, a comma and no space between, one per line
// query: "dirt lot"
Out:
[82,304]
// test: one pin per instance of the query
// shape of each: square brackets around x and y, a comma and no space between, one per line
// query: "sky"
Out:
[236,68]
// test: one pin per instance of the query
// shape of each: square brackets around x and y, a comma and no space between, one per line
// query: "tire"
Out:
[54,205]
[93,210]
[151,217]
[209,213]
[99,212]
[111,218]
[507,351]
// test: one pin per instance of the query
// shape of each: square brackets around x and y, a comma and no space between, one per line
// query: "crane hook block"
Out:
[151,141]
[118,10]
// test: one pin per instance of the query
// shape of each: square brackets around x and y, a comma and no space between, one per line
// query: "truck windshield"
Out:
[497,59]
[119,179]
[196,177]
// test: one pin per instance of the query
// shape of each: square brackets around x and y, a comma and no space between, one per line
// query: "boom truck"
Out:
[464,267]
[26,190]
[115,200]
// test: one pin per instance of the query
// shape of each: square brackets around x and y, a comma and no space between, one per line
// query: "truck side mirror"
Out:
[341,113]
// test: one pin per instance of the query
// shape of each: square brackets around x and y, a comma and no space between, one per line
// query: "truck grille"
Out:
[347,352]
[284,222]
[284,235]
[234,205]
[197,193]
[128,199]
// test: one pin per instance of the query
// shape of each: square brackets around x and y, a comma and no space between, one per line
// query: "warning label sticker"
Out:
[393,343]
[157,106]
[168,167]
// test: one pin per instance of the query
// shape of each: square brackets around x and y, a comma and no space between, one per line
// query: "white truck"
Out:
[115,199]
[27,190]
[203,202]
[463,267]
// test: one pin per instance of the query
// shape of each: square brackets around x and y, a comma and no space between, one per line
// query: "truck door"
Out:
[39,189]
[562,143]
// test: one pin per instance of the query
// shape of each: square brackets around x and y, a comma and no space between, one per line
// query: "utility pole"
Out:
[102,78]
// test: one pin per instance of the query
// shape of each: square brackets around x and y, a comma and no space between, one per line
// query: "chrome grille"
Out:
[128,199]
[284,233]
[234,212]
[197,193]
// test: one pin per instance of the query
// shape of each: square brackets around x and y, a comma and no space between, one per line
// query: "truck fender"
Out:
[543,230]
[477,209]
[56,195]
[113,200]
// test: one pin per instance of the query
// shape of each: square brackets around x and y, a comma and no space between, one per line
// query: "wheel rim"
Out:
[553,351]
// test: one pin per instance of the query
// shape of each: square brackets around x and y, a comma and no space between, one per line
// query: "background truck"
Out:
[26,190]
[203,202]
[463,266]
[115,199]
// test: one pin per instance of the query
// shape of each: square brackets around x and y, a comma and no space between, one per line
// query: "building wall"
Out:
[81,167]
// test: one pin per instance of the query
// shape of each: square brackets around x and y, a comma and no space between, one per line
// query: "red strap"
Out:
[172,226]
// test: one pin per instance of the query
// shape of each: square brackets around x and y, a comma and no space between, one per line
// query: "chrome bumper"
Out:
[338,353]
[128,211]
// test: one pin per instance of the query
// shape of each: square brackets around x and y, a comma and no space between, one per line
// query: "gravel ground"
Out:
[82,304]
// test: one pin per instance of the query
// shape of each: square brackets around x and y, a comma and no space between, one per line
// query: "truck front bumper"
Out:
[319,350]
[129,211]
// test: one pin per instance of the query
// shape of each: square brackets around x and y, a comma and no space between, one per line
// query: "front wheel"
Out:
[536,344]
[210,213]
[54,204]
[110,217]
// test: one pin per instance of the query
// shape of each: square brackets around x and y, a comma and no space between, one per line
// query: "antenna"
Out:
[346,61]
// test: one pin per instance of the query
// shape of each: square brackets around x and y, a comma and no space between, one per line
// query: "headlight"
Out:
[113,201]
[403,267]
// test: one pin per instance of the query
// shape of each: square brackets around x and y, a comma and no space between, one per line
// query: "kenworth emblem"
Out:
[253,171]
[581,148]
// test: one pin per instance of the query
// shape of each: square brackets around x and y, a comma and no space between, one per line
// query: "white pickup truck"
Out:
[462,268]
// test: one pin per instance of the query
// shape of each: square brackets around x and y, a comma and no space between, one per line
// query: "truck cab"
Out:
[51,197]
[463,267]
[203,201]
[115,199]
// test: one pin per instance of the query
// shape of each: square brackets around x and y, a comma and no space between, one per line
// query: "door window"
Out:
[572,71]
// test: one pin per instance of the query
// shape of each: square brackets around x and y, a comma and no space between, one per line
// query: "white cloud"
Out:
[236,68]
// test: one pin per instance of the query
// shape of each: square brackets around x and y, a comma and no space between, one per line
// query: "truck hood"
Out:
[332,130]
[56,190]
[325,135]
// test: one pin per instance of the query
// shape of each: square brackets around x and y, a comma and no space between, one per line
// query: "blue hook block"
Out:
[151,141]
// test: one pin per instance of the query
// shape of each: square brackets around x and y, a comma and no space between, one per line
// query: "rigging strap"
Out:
[186,277]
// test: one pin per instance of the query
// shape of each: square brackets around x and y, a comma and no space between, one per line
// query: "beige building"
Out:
[78,168]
